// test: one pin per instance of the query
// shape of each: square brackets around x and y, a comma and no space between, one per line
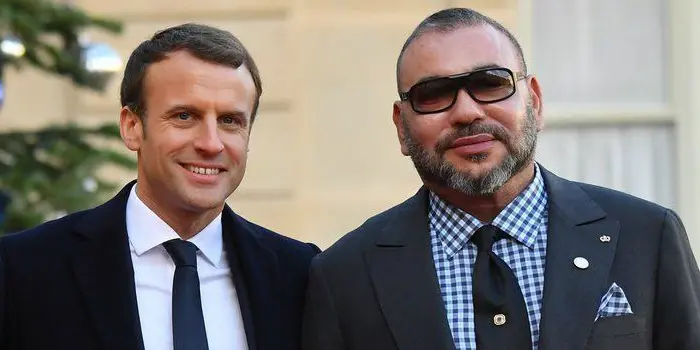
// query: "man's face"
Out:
[192,142]
[472,147]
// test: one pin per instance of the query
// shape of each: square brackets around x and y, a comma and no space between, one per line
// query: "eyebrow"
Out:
[185,107]
[178,108]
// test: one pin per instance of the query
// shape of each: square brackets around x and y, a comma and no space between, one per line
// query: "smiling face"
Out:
[471,147]
[192,142]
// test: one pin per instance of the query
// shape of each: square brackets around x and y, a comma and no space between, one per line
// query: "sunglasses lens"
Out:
[433,95]
[484,86]
[490,85]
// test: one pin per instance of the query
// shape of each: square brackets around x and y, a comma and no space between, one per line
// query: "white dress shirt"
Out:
[153,277]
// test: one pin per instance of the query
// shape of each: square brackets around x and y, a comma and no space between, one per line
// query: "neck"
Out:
[186,223]
[487,207]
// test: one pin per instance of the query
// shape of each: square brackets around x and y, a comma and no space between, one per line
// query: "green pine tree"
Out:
[52,171]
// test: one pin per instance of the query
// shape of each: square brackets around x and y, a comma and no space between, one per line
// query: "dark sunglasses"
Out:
[484,86]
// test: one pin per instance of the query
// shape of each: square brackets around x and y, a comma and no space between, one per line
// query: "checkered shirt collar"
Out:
[520,219]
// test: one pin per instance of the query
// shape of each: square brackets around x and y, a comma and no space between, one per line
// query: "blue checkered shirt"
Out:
[525,220]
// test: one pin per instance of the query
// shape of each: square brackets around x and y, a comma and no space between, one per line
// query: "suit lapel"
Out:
[255,273]
[403,272]
[105,276]
[571,294]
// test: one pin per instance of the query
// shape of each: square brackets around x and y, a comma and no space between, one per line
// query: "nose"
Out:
[207,140]
[465,110]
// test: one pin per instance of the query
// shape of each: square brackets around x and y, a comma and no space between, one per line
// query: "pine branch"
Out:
[52,171]
[50,33]
[49,172]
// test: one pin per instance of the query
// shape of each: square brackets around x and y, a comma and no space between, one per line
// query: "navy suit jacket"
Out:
[68,283]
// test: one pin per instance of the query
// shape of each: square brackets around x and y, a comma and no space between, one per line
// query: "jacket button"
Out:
[499,319]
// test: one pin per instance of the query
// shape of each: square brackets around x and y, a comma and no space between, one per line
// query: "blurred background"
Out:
[621,87]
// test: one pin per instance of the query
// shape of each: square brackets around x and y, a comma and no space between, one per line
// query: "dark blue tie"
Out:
[189,332]
[500,314]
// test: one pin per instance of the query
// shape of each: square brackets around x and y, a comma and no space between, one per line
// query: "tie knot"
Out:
[183,253]
[486,236]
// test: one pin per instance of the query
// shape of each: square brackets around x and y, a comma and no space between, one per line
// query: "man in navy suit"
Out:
[165,264]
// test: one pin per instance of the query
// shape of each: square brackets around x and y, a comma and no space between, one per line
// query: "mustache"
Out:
[498,132]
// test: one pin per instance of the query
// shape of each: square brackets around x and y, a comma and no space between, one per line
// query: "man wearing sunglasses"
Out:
[494,251]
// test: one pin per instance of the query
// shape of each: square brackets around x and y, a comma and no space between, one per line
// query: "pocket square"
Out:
[614,303]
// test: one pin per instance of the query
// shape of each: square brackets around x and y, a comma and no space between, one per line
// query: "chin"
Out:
[202,200]
[204,206]
[477,165]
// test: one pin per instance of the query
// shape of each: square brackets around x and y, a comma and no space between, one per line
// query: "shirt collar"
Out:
[146,231]
[521,218]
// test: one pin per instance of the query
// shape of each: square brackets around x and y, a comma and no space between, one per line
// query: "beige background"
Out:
[324,155]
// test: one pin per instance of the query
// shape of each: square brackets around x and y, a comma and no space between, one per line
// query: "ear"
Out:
[536,97]
[400,130]
[131,129]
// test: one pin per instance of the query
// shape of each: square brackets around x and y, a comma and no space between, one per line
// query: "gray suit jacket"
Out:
[377,287]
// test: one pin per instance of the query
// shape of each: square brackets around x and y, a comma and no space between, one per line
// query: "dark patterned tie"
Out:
[500,314]
[189,332]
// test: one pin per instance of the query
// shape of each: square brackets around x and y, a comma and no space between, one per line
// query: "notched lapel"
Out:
[403,272]
[261,278]
[577,228]
[105,275]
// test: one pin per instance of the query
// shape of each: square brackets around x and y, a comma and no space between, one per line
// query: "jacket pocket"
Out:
[619,332]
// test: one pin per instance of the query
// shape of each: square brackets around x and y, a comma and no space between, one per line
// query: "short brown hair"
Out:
[204,42]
